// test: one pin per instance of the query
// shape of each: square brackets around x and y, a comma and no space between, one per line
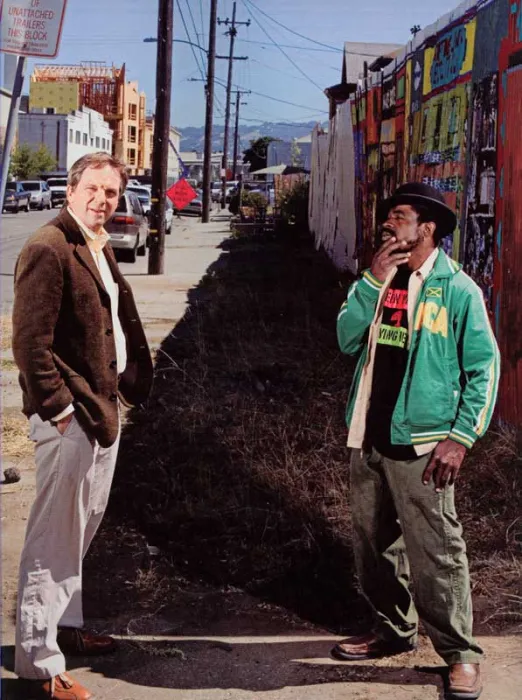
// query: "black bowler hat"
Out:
[417,193]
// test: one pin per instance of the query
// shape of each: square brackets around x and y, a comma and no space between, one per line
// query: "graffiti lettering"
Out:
[450,53]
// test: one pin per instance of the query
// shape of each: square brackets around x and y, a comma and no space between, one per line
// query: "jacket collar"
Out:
[445,266]
[66,223]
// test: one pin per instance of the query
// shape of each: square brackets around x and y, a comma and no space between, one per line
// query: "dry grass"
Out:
[6,331]
[238,466]
[15,442]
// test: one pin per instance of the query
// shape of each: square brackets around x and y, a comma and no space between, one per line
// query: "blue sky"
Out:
[113,31]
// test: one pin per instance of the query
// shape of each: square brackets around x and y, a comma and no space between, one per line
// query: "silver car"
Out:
[39,192]
[128,228]
[143,194]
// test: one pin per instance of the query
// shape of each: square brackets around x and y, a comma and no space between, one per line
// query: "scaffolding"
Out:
[100,86]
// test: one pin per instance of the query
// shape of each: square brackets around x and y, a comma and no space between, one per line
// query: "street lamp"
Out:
[153,40]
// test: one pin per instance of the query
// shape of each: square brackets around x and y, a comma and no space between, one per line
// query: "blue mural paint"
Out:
[499,240]
[503,130]
[519,26]
[514,8]
[449,57]
[501,183]
[504,83]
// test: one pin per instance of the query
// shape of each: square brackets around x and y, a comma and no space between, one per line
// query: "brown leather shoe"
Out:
[63,687]
[76,642]
[370,646]
[464,682]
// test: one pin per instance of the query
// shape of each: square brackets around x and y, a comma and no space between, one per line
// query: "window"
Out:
[71,136]
[103,144]
[132,134]
[97,142]
[122,204]
[78,137]
[131,156]
[136,206]
[152,143]
[85,139]
[133,112]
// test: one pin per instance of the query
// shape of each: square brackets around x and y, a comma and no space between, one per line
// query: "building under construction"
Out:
[63,89]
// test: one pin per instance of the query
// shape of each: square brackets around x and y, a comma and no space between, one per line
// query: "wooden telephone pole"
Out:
[232,32]
[236,131]
[211,69]
[160,151]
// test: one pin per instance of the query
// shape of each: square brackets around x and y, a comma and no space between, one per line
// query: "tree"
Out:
[256,155]
[296,155]
[28,163]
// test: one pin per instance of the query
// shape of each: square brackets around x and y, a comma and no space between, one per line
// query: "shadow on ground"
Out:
[211,664]
[236,470]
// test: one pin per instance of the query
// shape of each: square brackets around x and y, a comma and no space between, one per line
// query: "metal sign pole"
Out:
[12,123]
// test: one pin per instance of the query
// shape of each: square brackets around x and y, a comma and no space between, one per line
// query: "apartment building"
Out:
[67,136]
[104,89]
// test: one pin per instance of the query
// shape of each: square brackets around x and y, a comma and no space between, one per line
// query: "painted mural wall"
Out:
[448,112]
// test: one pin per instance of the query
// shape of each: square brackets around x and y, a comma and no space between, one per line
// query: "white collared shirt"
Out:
[96,242]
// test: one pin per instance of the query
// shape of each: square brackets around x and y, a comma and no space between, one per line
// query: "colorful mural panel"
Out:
[448,112]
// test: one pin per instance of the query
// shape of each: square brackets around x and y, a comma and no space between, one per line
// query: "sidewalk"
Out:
[234,647]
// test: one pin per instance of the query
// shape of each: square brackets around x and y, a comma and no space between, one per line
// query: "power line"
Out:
[302,36]
[201,18]
[292,46]
[187,3]
[202,72]
[278,70]
[275,99]
[284,52]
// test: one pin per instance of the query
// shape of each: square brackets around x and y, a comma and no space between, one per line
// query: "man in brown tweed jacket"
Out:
[81,349]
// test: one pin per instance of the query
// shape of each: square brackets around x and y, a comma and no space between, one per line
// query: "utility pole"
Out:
[207,158]
[160,151]
[236,131]
[232,32]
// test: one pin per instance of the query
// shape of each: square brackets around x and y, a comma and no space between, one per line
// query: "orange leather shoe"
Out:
[62,687]
[464,682]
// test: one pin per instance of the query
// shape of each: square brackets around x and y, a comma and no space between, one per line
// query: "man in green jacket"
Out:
[424,390]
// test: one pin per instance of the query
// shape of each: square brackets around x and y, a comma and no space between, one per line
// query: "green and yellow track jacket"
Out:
[451,379]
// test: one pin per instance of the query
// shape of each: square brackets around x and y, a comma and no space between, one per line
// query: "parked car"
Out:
[16,198]
[40,193]
[215,191]
[58,187]
[194,208]
[169,215]
[144,195]
[232,185]
[129,227]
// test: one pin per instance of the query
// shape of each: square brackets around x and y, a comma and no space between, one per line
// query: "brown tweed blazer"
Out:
[63,340]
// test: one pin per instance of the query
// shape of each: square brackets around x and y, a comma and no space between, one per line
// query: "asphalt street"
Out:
[15,229]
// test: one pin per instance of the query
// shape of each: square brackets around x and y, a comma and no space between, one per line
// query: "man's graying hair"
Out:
[97,160]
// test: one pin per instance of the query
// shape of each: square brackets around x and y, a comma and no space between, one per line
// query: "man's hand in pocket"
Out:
[61,425]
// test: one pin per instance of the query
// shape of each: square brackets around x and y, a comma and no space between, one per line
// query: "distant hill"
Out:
[193,137]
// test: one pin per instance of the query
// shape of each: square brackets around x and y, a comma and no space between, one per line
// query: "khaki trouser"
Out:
[399,523]
[73,481]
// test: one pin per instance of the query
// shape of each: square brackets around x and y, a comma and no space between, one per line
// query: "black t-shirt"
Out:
[391,356]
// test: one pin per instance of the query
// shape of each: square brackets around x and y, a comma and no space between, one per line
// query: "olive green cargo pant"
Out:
[399,525]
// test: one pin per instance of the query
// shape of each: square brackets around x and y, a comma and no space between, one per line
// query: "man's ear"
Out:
[428,229]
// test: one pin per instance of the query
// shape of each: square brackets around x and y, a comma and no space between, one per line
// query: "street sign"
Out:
[31,27]
[181,194]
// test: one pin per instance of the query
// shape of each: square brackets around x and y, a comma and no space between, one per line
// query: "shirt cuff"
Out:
[66,412]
